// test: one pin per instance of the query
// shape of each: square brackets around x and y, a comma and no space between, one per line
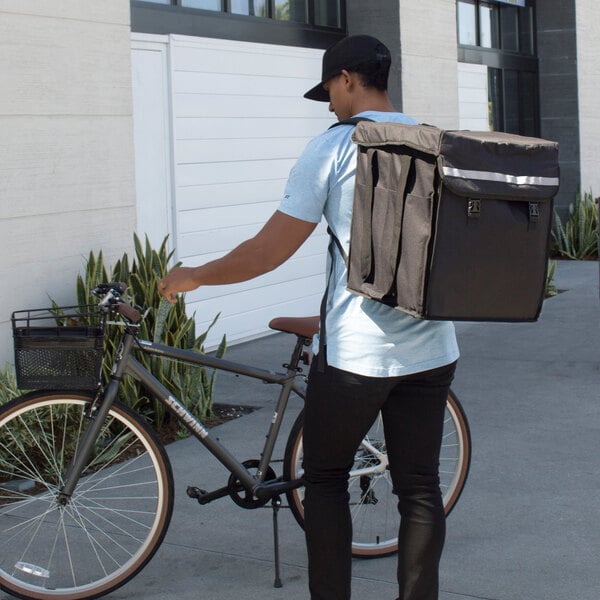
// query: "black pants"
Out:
[340,409]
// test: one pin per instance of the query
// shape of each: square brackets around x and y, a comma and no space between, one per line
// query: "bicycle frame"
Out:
[126,364]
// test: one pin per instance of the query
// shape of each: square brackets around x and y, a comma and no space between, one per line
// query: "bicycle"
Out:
[86,488]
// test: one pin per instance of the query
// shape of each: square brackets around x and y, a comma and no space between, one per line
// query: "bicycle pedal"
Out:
[195,492]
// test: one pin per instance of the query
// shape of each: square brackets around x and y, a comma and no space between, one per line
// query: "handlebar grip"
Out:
[130,313]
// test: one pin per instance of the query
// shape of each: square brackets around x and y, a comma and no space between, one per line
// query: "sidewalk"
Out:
[526,525]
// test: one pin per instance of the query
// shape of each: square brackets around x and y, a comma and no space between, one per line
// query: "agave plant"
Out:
[163,322]
[577,238]
[550,289]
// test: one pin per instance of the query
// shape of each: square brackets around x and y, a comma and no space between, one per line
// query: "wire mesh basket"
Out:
[58,348]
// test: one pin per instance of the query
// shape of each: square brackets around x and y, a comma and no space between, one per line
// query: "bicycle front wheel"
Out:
[373,506]
[116,517]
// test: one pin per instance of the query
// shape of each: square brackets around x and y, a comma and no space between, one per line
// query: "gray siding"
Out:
[381,19]
[559,111]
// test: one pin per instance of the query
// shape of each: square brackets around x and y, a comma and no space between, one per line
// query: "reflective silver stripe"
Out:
[500,177]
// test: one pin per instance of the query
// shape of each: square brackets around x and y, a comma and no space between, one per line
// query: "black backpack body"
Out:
[451,225]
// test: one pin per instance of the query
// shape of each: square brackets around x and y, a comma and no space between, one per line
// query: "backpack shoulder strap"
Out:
[333,240]
[351,121]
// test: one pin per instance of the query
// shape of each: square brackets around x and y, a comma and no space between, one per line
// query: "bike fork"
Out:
[97,416]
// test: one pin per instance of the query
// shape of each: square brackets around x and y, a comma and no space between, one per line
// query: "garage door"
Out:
[236,122]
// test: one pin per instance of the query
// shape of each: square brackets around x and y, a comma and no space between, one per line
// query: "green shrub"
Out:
[163,323]
[577,238]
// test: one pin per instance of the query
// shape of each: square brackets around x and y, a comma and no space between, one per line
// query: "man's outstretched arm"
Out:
[280,237]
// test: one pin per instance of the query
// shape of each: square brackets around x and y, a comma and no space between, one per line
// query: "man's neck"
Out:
[377,101]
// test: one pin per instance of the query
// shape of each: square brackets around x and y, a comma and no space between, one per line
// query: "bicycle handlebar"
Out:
[112,301]
[129,312]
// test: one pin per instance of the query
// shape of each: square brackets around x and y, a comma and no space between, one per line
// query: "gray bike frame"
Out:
[126,364]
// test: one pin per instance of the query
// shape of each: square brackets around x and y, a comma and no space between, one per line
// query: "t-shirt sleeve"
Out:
[307,187]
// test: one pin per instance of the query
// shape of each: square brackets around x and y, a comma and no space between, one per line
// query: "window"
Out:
[328,13]
[509,28]
[290,10]
[495,24]
[512,99]
[496,111]
[528,104]
[319,13]
[499,35]
[526,33]
[205,4]
[489,32]
[253,8]
[467,23]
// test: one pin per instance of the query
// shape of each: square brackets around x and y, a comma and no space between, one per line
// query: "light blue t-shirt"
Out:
[363,336]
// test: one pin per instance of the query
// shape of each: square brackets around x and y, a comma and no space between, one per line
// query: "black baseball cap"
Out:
[349,53]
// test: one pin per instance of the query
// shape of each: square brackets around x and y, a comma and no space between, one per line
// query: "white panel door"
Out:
[152,137]
[238,123]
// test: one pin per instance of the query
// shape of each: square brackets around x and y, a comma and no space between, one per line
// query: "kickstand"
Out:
[276,503]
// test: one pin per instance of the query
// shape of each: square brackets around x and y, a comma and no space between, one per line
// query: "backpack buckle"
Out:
[534,212]
[474,209]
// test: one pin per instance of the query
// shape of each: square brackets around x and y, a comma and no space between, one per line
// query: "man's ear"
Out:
[351,80]
[347,78]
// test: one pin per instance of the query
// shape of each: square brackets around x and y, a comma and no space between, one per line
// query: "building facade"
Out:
[183,118]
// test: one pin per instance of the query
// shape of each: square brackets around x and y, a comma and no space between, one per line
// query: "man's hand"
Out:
[180,279]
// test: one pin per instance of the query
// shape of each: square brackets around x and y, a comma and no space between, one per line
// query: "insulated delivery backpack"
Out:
[451,225]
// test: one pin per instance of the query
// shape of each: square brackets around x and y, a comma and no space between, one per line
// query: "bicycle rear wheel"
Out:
[373,506]
[114,521]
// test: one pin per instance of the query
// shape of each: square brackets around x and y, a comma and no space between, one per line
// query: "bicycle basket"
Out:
[58,348]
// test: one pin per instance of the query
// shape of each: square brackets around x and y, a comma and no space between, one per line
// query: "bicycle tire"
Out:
[373,506]
[116,517]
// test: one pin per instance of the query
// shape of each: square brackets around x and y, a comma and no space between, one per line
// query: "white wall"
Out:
[587,15]
[66,150]
[429,61]
[238,122]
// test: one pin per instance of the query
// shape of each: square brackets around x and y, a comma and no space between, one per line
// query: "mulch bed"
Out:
[227,412]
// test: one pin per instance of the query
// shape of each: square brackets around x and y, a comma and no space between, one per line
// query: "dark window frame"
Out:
[149,17]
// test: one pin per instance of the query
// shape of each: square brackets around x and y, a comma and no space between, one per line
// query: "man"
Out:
[377,359]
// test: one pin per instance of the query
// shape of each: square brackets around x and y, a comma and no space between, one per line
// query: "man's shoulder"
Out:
[338,135]
[382,117]
[331,139]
